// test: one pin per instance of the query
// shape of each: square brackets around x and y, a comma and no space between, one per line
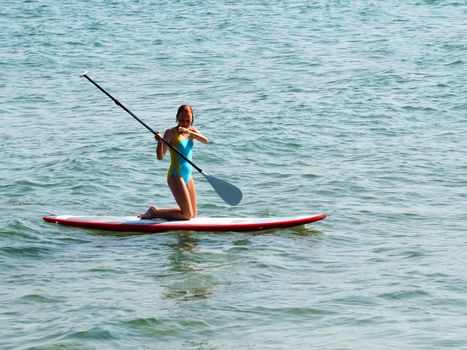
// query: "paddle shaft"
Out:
[117,102]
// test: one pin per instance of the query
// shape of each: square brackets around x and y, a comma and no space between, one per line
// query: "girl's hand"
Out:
[182,130]
[196,135]
[158,137]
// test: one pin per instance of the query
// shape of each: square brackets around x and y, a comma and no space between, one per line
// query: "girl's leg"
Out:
[192,191]
[183,199]
[185,196]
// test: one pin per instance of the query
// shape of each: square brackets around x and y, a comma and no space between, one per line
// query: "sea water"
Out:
[356,109]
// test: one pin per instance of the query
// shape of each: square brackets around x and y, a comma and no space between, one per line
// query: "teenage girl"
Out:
[179,176]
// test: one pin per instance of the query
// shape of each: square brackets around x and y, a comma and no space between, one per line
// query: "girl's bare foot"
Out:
[150,213]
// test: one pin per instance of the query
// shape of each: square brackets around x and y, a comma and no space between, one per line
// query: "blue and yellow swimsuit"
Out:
[178,165]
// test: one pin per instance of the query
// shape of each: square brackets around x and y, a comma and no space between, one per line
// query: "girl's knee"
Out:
[188,214]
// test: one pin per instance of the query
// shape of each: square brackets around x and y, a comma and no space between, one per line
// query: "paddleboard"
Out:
[135,224]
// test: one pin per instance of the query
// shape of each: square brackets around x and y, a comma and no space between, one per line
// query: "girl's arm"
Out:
[195,134]
[161,146]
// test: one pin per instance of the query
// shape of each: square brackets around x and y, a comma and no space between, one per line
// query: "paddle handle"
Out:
[117,102]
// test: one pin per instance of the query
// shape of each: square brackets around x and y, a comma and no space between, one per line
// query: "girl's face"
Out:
[184,119]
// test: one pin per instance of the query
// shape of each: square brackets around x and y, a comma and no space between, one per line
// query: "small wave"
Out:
[94,333]
[404,294]
[25,251]
[455,63]
[143,322]
[38,298]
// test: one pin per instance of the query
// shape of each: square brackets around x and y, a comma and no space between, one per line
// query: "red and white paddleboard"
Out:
[134,224]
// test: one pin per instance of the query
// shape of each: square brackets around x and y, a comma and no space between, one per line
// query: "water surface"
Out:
[355,109]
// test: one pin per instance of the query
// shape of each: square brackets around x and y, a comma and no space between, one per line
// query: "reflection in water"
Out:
[306,231]
[188,283]
[299,230]
[186,242]
[188,294]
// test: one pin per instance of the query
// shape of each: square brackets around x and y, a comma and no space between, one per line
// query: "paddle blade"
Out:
[228,192]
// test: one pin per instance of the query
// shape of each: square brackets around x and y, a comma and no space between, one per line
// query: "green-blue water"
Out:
[352,108]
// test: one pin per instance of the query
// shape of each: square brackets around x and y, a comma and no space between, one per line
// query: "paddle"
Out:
[228,192]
